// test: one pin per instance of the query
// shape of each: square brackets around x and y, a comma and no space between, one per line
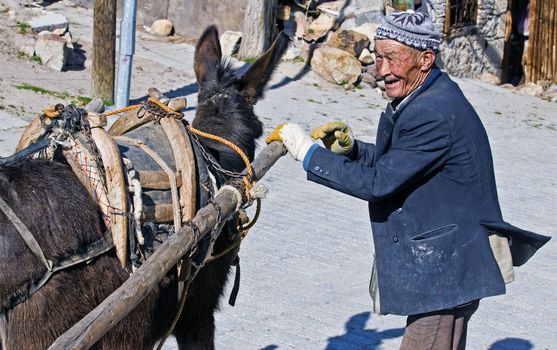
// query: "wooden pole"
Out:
[104,50]
[122,301]
[530,53]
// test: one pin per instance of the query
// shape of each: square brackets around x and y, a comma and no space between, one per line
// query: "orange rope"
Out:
[51,112]
[246,179]
[150,99]
[228,143]
[121,110]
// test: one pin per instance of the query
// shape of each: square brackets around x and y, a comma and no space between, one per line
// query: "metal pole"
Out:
[125,57]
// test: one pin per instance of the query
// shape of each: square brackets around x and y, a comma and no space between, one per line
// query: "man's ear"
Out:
[427,60]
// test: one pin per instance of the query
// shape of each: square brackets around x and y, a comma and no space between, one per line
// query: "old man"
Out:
[430,186]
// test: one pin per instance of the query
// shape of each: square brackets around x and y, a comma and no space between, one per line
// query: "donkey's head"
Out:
[225,101]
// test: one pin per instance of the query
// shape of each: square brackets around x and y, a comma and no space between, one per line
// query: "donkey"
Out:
[58,210]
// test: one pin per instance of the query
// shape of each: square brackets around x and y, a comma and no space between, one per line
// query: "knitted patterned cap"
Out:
[411,28]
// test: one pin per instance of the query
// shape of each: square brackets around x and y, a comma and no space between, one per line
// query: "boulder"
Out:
[309,49]
[27,46]
[348,23]
[366,58]
[489,78]
[336,66]
[319,27]
[531,89]
[69,39]
[60,31]
[230,42]
[508,86]
[368,29]
[161,27]
[332,8]
[371,69]
[370,79]
[349,41]
[49,21]
[300,20]
[551,93]
[53,50]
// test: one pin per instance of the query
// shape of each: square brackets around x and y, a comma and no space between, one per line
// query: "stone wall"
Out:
[190,17]
[473,50]
[368,11]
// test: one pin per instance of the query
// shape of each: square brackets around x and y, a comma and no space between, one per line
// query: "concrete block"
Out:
[48,22]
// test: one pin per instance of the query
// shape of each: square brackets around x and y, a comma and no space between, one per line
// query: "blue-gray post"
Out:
[125,57]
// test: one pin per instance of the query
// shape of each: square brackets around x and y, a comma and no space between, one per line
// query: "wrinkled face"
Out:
[400,66]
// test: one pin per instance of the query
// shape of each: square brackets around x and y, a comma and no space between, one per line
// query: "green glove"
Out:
[336,136]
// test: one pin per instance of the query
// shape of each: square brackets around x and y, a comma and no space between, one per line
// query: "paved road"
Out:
[306,264]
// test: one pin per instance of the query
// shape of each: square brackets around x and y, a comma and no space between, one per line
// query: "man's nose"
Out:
[383,69]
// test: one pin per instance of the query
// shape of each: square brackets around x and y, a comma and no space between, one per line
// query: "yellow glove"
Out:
[275,134]
[294,138]
[336,136]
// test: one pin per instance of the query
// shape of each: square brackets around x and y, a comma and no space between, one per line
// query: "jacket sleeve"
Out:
[421,146]
[363,152]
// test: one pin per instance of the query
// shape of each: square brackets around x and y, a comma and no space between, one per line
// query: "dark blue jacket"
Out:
[432,200]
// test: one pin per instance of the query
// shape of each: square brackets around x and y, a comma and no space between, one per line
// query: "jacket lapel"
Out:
[390,116]
[384,132]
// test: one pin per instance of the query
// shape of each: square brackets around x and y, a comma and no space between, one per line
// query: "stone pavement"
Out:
[306,263]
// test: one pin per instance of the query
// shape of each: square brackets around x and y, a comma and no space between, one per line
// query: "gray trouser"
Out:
[439,330]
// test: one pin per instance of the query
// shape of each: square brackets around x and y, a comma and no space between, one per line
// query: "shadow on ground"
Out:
[512,344]
[357,337]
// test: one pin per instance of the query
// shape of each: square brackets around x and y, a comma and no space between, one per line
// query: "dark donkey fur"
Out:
[50,200]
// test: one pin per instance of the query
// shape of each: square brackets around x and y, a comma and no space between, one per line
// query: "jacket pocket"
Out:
[435,233]
[433,251]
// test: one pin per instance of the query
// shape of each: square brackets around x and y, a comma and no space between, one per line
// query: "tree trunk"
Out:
[259,28]
[104,50]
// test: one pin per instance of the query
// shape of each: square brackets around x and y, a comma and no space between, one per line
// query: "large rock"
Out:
[300,20]
[27,46]
[161,27]
[319,27]
[551,93]
[332,8]
[349,41]
[230,42]
[368,29]
[489,78]
[531,89]
[336,66]
[49,21]
[53,50]
[366,57]
[348,23]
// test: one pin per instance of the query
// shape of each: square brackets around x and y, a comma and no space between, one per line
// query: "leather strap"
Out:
[87,253]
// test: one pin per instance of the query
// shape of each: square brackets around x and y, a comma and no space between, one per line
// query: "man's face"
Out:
[399,66]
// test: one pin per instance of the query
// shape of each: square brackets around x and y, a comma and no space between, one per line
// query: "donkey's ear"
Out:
[258,74]
[207,56]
